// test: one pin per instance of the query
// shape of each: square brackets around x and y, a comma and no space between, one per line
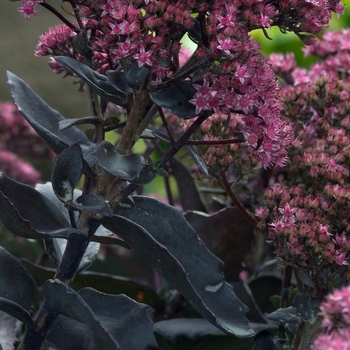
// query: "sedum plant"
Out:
[223,101]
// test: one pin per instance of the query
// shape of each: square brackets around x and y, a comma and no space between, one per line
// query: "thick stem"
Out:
[130,132]
[34,338]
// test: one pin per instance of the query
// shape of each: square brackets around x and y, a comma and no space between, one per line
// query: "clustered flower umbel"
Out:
[307,216]
[234,77]
[335,311]
[17,137]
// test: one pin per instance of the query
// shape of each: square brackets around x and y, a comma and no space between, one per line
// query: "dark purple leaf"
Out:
[301,302]
[264,340]
[118,81]
[17,284]
[67,123]
[127,167]
[305,278]
[67,302]
[146,176]
[175,99]
[66,172]
[191,328]
[127,321]
[110,321]
[93,204]
[47,191]
[28,213]
[163,237]
[262,289]
[287,315]
[98,82]
[17,311]
[44,119]
[227,234]
[68,334]
[55,248]
[189,195]
[136,76]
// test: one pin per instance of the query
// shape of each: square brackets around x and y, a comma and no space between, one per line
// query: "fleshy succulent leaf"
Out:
[17,285]
[69,303]
[44,119]
[163,237]
[43,220]
[127,167]
[109,321]
[98,82]
[175,99]
[66,172]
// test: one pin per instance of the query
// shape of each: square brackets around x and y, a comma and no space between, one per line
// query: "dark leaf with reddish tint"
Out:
[93,204]
[66,172]
[136,76]
[17,311]
[163,237]
[44,119]
[227,234]
[68,303]
[127,167]
[175,99]
[189,195]
[98,82]
[110,321]
[17,285]
[119,82]
[67,123]
[28,213]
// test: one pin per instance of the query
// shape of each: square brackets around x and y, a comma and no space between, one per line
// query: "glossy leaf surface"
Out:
[227,234]
[175,99]
[189,195]
[126,167]
[93,204]
[17,311]
[108,319]
[44,119]
[17,284]
[136,76]
[67,123]
[98,82]
[191,328]
[163,237]
[119,82]
[70,304]
[126,320]
[41,221]
[66,172]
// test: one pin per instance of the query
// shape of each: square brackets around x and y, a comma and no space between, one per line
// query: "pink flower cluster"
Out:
[228,72]
[307,217]
[302,227]
[17,137]
[335,311]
